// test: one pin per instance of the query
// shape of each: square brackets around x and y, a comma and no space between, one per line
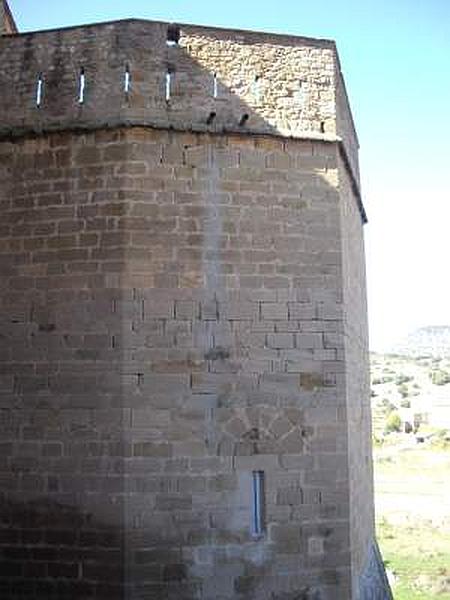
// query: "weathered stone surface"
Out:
[252,82]
[183,304]
[7,24]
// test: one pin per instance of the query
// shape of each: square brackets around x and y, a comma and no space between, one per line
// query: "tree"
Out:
[393,422]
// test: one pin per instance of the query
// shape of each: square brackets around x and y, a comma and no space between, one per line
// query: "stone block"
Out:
[287,538]
[329,311]
[280,340]
[274,311]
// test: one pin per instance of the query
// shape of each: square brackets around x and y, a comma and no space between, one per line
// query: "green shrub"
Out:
[387,405]
[403,390]
[441,439]
[377,441]
[393,422]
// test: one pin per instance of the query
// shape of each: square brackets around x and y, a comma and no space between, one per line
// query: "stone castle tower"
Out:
[184,378]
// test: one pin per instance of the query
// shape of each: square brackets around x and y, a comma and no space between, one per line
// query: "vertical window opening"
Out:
[168,84]
[82,85]
[127,80]
[215,86]
[258,503]
[39,89]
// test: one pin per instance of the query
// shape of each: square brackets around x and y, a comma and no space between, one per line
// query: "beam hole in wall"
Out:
[173,35]
[39,90]
[244,119]
[211,117]
[322,126]
[81,86]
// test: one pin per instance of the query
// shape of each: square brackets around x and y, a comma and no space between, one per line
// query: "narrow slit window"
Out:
[39,90]
[82,86]
[258,503]
[127,80]
[215,86]
[168,85]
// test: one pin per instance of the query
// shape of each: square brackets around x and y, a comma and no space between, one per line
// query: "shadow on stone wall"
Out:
[129,75]
[50,550]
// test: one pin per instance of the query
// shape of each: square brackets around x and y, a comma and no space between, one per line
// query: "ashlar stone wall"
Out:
[173,323]
[209,80]
[184,405]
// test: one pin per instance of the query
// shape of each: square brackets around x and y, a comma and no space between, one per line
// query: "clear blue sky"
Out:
[395,56]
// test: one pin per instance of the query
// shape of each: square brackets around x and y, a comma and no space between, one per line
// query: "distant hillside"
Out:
[416,388]
[433,340]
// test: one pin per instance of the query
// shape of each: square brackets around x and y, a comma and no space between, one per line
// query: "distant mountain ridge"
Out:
[433,340]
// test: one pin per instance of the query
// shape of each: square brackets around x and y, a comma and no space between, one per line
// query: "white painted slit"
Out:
[127,80]
[215,86]
[168,85]
[82,87]
[39,90]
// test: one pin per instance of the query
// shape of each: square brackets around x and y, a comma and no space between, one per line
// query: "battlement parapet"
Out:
[184,77]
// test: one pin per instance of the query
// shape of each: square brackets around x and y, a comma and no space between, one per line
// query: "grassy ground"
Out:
[419,557]
[412,490]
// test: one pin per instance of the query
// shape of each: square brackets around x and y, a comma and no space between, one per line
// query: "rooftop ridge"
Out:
[325,42]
